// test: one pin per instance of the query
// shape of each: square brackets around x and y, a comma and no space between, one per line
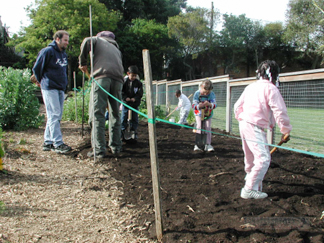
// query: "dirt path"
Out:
[61,198]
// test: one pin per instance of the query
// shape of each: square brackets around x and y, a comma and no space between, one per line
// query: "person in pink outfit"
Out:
[260,107]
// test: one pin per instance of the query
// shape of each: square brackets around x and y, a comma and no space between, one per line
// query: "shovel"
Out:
[201,138]
[128,132]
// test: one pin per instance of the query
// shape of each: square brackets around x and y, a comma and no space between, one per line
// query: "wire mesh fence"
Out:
[303,93]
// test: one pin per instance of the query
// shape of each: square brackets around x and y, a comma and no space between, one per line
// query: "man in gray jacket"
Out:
[108,73]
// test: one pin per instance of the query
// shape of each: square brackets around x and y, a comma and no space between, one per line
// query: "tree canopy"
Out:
[69,15]
[183,41]
[305,28]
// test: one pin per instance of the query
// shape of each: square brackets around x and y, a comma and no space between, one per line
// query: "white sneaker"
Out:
[248,194]
[196,148]
[209,148]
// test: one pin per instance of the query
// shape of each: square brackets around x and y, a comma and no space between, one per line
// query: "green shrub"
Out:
[191,117]
[2,207]
[159,113]
[19,106]
[69,106]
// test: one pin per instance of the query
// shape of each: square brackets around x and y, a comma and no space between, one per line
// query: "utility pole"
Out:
[211,68]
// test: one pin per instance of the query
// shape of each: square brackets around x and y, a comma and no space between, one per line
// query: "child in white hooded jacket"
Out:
[259,107]
[184,106]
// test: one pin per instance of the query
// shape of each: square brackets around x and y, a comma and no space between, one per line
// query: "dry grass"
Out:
[50,197]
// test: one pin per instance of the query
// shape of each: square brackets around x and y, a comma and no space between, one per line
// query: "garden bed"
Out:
[69,198]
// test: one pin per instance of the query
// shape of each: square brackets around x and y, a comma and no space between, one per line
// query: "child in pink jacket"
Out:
[259,107]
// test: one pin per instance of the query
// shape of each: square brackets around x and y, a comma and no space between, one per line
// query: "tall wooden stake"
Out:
[82,102]
[153,144]
[93,84]
[75,96]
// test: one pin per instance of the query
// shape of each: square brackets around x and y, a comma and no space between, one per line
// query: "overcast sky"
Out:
[270,11]
[13,14]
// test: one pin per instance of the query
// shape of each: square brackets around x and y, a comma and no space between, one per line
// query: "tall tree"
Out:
[276,47]
[70,15]
[159,10]
[146,34]
[234,40]
[192,32]
[305,29]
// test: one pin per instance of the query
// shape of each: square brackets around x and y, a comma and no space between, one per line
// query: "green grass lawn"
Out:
[307,133]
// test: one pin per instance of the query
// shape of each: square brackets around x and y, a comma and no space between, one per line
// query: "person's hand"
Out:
[132,99]
[285,138]
[201,105]
[84,69]
[207,104]
[128,99]
[33,79]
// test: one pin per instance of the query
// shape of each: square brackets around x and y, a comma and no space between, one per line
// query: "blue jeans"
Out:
[124,119]
[53,100]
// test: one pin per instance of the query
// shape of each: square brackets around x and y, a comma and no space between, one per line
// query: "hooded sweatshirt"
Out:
[261,104]
[50,67]
[107,59]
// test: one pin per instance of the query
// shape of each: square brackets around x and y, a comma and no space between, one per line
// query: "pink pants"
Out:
[256,154]
[207,128]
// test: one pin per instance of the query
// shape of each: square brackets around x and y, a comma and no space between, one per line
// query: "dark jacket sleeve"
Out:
[139,93]
[40,64]
[85,48]
[136,86]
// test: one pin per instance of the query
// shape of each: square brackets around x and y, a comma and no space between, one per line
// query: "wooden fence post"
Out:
[153,144]
[75,96]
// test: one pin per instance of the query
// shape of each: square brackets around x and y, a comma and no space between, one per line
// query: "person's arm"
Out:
[195,101]
[139,93]
[279,109]
[212,101]
[238,106]
[85,48]
[180,103]
[124,91]
[40,64]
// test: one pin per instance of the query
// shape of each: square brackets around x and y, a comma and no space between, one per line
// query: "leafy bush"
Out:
[191,117]
[19,106]
[159,113]
[1,155]
[69,106]
[2,207]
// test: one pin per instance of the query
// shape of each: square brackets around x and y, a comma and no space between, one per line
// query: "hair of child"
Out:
[178,92]
[268,70]
[133,69]
[207,84]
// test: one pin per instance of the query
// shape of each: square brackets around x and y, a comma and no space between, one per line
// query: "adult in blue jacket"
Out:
[50,70]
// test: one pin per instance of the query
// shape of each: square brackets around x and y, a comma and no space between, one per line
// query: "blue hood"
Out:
[50,68]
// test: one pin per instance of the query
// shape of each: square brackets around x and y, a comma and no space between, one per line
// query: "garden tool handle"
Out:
[171,113]
[281,142]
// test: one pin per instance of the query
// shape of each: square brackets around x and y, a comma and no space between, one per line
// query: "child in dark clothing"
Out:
[132,93]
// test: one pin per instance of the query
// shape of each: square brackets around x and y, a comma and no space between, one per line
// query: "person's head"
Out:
[61,38]
[178,93]
[106,34]
[268,70]
[205,87]
[132,72]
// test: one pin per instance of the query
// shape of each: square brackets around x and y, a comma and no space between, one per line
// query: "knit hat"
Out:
[106,33]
